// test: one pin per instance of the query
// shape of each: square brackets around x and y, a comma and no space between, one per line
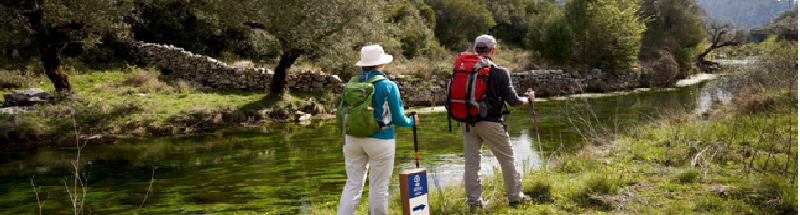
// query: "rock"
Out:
[320,78]
[18,110]
[316,85]
[302,118]
[15,53]
[596,72]
[26,97]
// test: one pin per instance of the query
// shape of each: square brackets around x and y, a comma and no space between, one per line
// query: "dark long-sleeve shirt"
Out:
[500,91]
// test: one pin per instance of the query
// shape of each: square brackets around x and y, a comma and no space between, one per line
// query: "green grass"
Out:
[679,164]
[139,101]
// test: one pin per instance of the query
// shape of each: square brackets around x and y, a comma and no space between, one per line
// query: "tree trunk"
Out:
[49,41]
[278,86]
[52,67]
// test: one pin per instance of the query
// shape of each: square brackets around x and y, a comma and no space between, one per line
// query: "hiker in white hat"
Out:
[375,150]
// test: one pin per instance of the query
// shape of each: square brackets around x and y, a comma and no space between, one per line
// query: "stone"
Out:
[596,72]
[18,110]
[26,97]
[317,85]
[15,53]
[320,78]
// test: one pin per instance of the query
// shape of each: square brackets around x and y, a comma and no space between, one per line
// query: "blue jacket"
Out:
[386,92]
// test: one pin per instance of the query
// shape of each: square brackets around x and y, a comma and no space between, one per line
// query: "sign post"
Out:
[414,185]
[414,192]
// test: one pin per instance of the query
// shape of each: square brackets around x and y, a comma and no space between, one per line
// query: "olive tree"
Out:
[720,33]
[459,22]
[331,31]
[608,33]
[52,24]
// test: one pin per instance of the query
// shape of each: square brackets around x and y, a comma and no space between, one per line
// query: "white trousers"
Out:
[359,154]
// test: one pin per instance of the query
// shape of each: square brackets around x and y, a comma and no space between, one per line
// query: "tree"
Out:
[458,22]
[674,26]
[607,32]
[550,35]
[512,18]
[51,25]
[410,24]
[784,25]
[720,34]
[330,30]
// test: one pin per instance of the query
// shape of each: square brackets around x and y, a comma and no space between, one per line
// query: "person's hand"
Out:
[531,95]
[416,120]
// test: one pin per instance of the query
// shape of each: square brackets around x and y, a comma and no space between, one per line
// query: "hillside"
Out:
[752,13]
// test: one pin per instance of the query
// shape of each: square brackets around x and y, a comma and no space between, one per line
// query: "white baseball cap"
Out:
[373,55]
[485,42]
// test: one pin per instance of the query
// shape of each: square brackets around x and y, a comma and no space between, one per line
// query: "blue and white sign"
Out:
[418,194]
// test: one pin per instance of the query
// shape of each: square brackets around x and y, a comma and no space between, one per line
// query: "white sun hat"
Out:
[373,55]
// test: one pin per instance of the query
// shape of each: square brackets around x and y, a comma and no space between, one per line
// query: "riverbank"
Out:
[141,103]
[735,159]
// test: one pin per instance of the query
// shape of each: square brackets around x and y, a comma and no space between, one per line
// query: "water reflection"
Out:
[447,169]
[283,168]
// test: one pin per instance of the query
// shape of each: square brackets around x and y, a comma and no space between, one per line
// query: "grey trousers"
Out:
[497,139]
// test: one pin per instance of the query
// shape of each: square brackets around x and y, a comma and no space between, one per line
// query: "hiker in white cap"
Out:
[490,129]
[375,150]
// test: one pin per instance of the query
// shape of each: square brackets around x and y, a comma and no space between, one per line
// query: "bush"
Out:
[608,32]
[664,69]
[773,193]
[540,190]
[146,82]
[597,186]
[459,22]
[688,176]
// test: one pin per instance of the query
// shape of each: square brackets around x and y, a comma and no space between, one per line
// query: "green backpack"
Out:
[355,113]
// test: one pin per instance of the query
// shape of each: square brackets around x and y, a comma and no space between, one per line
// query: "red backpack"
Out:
[466,89]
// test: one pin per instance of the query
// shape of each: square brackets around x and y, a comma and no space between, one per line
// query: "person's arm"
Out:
[399,119]
[507,90]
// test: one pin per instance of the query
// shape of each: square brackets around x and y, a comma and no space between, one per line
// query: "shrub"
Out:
[688,176]
[146,82]
[597,186]
[540,190]
[663,70]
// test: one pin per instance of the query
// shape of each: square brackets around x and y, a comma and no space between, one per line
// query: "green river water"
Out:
[285,168]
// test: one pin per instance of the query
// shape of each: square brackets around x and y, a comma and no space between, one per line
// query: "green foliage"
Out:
[103,18]
[674,26]
[410,25]
[540,190]
[774,193]
[778,66]
[551,35]
[459,22]
[608,32]
[513,18]
[183,24]
[688,176]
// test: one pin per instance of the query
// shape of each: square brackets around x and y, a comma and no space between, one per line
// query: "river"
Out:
[283,168]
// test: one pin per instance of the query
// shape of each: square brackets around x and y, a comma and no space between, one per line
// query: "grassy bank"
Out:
[738,158]
[137,102]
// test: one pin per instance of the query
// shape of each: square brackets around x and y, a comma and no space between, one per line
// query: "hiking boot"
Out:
[477,207]
[524,200]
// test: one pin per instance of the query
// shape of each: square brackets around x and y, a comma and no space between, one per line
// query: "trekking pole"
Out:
[416,142]
[536,124]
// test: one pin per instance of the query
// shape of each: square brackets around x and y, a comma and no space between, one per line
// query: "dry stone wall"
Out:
[213,73]
[416,92]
